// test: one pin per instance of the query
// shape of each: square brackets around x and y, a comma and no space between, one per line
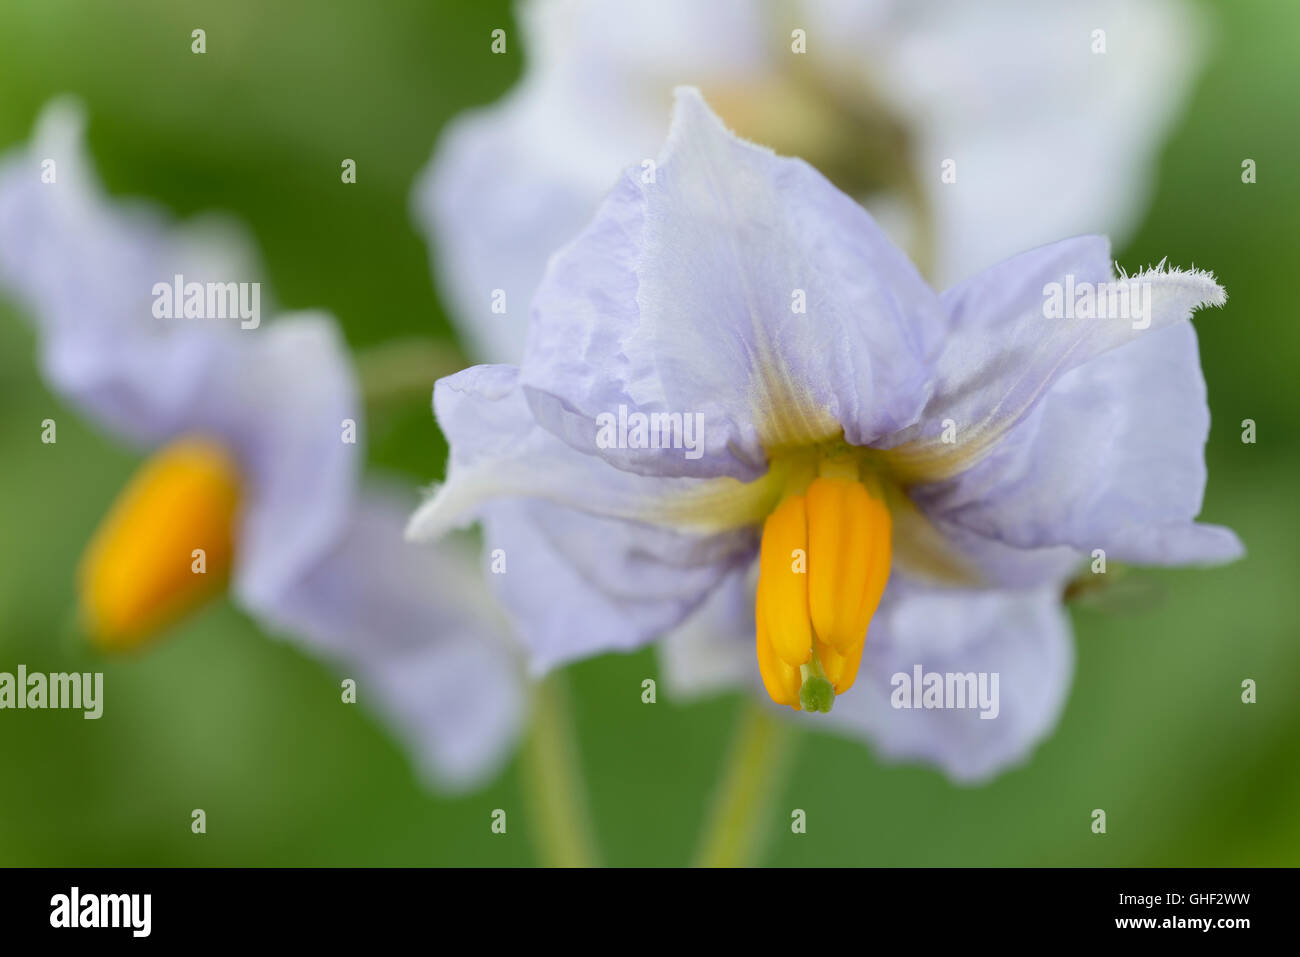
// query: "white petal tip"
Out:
[693,117]
[689,98]
[1201,283]
[426,522]
[1230,548]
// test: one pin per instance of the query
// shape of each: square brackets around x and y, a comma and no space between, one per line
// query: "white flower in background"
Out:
[1047,135]
[250,473]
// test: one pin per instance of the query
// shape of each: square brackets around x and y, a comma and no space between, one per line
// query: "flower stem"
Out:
[552,777]
[741,815]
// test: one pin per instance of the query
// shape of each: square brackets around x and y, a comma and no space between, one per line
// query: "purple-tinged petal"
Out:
[499,451]
[281,398]
[592,558]
[1113,457]
[502,195]
[738,285]
[513,182]
[418,631]
[713,649]
[1005,349]
[990,561]
[1022,636]
[576,585]
[84,267]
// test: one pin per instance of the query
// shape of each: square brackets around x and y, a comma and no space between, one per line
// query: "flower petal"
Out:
[575,585]
[515,181]
[1113,457]
[84,268]
[591,558]
[417,630]
[499,451]
[1003,353]
[1022,636]
[1007,90]
[992,562]
[512,182]
[281,398]
[501,195]
[688,294]
[713,649]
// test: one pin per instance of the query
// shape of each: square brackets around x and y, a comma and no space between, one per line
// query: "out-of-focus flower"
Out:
[255,474]
[971,130]
[733,361]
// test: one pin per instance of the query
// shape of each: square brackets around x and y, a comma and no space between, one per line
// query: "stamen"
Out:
[164,547]
[783,581]
[848,559]
[823,565]
[841,670]
[780,679]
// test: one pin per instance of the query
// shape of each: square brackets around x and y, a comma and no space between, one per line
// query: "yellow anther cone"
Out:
[841,670]
[783,582]
[823,565]
[164,547]
[781,680]
[848,560]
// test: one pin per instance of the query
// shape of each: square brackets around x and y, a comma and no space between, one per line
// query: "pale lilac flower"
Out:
[1048,135]
[255,418]
[967,446]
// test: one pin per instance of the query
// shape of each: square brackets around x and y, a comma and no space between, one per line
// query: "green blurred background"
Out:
[221,717]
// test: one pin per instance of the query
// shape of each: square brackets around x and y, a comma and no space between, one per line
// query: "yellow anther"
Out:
[783,581]
[781,680]
[165,546]
[840,669]
[823,565]
[848,559]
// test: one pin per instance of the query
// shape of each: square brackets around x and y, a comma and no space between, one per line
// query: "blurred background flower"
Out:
[252,730]
[256,439]
[1048,114]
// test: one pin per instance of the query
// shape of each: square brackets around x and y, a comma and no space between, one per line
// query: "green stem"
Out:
[552,777]
[741,815]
